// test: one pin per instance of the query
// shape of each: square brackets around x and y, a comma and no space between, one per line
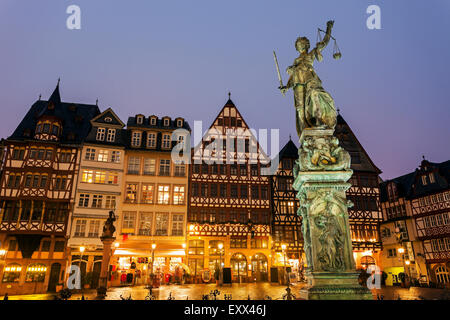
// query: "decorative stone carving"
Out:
[323,153]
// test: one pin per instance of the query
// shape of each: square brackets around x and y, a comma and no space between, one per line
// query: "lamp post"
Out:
[153,255]
[81,273]
[220,246]
[283,248]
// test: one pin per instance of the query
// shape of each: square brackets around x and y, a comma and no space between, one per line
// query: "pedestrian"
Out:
[6,297]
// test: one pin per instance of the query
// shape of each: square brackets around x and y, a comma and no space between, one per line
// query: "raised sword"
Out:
[278,70]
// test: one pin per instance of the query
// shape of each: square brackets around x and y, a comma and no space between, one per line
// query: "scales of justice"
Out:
[320,179]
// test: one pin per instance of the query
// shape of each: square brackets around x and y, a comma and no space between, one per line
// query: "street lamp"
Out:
[283,248]
[81,274]
[220,246]
[405,263]
[153,254]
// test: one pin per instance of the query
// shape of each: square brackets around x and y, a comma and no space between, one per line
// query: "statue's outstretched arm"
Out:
[322,44]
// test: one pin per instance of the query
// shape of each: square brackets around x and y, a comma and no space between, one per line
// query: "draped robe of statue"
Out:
[314,106]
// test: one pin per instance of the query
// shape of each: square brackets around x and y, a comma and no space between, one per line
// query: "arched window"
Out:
[12,272]
[36,272]
[442,275]
[239,264]
[366,261]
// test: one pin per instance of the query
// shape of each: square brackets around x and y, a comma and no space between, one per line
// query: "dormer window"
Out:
[153,121]
[111,136]
[46,128]
[139,119]
[100,134]
[392,191]
[424,180]
[431,175]
[55,130]
[179,123]
[166,122]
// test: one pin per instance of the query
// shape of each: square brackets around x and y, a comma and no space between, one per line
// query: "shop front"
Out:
[130,268]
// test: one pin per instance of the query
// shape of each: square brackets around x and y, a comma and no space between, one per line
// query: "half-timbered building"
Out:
[416,214]
[229,202]
[364,216]
[40,166]
[286,223]
[430,201]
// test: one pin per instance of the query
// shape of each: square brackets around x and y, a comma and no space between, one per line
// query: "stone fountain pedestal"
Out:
[103,280]
[321,174]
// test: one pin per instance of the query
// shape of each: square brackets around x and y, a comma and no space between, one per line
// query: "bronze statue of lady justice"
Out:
[314,106]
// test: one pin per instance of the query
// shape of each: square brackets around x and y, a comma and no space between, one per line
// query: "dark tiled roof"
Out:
[75,118]
[403,184]
[348,141]
[159,124]
[290,150]
[441,176]
[410,185]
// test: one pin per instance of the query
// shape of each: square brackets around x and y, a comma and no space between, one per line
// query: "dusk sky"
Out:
[180,58]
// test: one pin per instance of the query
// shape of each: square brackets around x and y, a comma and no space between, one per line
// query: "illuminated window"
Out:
[103,156]
[163,194]
[197,247]
[113,178]
[178,195]
[147,193]
[131,192]
[115,156]
[214,247]
[100,134]
[100,176]
[12,273]
[87,176]
[442,274]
